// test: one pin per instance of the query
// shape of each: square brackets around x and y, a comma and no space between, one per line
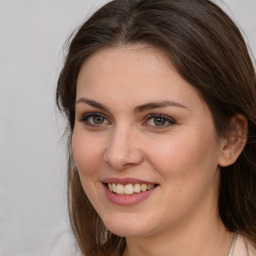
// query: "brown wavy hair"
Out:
[209,52]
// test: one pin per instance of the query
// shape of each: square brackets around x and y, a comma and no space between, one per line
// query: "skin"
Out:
[182,156]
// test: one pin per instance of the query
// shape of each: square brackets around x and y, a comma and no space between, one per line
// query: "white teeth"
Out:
[144,187]
[137,188]
[129,189]
[150,186]
[114,188]
[119,189]
[110,187]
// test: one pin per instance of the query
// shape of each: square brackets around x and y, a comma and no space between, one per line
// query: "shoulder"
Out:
[243,247]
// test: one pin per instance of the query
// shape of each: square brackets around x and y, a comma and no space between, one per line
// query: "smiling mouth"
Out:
[129,189]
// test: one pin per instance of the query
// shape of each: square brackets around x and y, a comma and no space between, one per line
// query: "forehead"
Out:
[135,59]
[133,72]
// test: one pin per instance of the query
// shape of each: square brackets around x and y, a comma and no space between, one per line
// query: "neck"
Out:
[196,238]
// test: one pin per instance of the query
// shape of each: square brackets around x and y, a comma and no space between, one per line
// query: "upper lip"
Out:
[125,181]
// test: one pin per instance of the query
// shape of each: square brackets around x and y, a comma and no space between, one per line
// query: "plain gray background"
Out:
[33,215]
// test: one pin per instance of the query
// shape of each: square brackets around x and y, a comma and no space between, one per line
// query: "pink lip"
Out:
[127,200]
[125,181]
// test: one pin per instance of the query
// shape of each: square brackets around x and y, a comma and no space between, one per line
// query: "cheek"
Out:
[87,153]
[185,154]
[187,167]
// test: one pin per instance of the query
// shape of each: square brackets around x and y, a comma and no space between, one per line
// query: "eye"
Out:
[97,119]
[94,119]
[159,120]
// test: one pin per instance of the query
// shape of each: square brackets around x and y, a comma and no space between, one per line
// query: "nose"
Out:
[123,149]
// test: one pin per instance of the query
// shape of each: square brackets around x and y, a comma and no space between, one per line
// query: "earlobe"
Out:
[235,141]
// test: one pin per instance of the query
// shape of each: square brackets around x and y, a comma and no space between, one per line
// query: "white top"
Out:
[242,247]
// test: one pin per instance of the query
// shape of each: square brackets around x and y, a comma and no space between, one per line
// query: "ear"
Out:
[233,144]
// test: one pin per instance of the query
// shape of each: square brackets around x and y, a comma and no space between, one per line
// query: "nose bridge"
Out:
[122,149]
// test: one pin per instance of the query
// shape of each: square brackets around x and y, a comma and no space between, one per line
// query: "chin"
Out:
[129,226]
[127,231]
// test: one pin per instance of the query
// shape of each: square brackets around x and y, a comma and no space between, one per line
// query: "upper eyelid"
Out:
[89,114]
[160,115]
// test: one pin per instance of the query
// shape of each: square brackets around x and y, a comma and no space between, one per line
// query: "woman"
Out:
[161,102]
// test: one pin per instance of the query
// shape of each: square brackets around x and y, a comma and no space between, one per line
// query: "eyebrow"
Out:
[162,104]
[92,103]
[141,108]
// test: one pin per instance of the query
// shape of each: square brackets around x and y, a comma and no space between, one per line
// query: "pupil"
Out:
[98,119]
[159,121]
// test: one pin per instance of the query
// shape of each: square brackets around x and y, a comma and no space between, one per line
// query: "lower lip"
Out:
[127,200]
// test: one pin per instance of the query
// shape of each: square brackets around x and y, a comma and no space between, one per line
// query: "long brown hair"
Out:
[208,51]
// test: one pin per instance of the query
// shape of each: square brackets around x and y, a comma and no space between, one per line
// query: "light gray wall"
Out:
[33,216]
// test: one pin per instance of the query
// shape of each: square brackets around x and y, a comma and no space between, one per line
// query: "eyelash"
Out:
[85,118]
[165,119]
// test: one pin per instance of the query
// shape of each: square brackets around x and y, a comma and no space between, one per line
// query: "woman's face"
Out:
[144,132]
